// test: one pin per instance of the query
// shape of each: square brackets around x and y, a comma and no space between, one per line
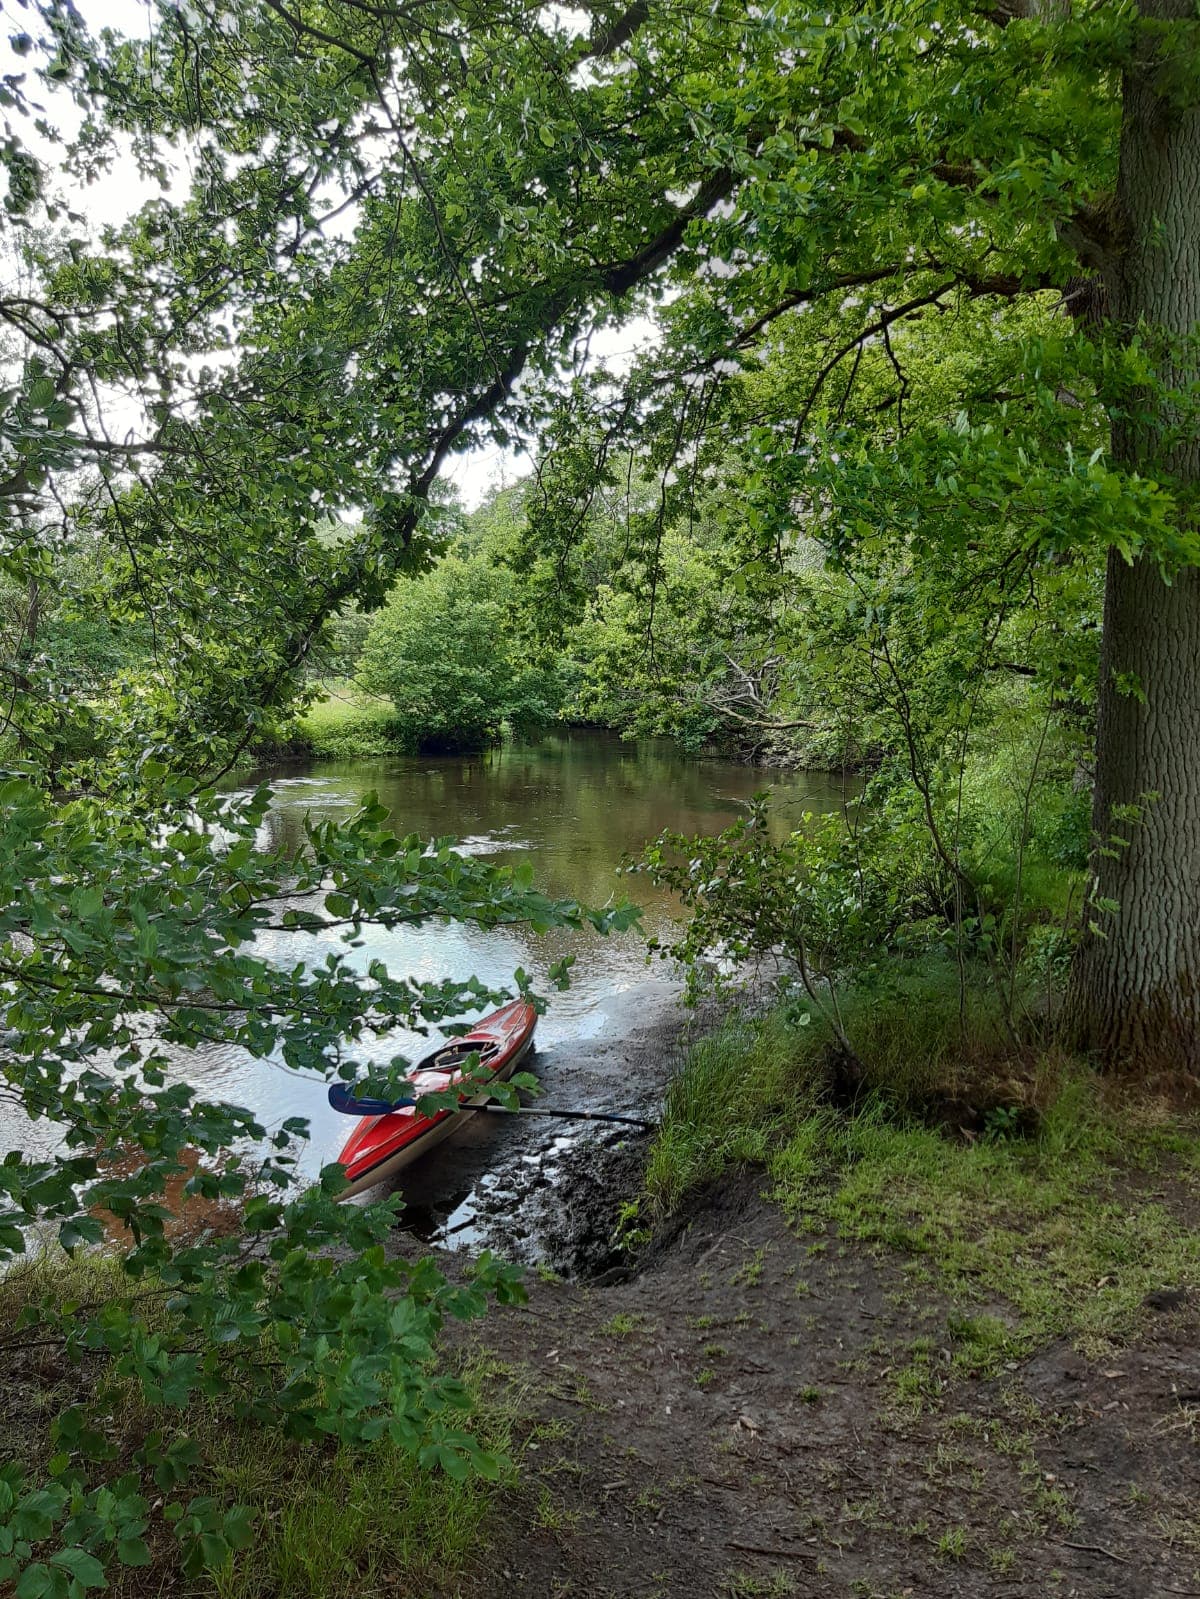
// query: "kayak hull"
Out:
[382,1146]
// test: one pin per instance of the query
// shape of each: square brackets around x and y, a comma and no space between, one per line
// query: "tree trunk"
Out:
[1136,987]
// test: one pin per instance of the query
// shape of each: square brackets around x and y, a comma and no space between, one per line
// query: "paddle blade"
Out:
[342,1097]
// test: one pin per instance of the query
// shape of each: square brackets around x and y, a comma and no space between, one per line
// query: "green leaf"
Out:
[84,1568]
[36,1580]
[238,1527]
[214,1550]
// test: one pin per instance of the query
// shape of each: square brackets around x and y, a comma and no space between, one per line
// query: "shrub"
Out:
[444,652]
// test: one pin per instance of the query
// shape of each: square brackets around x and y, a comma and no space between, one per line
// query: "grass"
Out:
[748,1082]
[622,1325]
[326,1519]
[1069,1229]
[725,1108]
[1058,1232]
[331,1521]
[952,1545]
[743,1586]
[350,724]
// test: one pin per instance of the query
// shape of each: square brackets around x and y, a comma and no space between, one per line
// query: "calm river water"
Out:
[574,806]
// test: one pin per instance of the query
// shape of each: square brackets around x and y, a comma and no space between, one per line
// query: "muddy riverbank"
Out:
[735,1421]
[549,1192]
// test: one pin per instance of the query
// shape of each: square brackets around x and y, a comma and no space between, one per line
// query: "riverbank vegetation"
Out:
[1036,1201]
[902,482]
[317,1518]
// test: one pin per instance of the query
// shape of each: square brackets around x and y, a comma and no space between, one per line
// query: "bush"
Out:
[444,652]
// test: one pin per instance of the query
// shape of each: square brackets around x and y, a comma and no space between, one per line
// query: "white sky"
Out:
[121,191]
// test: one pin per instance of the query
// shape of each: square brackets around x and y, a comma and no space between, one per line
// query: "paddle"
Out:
[342,1098]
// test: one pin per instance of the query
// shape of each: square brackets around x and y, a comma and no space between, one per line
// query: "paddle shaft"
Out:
[569,1115]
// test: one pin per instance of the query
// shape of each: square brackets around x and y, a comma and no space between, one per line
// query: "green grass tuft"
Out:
[736,1089]
[349,725]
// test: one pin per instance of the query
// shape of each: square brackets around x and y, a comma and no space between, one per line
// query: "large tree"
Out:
[1137,993]
[405,220]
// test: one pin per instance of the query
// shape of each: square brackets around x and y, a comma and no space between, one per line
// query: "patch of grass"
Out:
[1058,1233]
[743,1586]
[750,1082]
[1057,1225]
[981,1344]
[917,1383]
[725,1108]
[350,724]
[327,1521]
[952,1545]
[749,1273]
[621,1325]
[552,1517]
[650,1501]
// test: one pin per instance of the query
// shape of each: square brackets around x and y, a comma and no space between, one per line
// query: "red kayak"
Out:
[382,1145]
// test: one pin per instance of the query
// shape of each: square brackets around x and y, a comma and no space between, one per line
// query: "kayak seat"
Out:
[451,1058]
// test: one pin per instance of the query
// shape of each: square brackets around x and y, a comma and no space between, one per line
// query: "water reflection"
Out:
[575,805]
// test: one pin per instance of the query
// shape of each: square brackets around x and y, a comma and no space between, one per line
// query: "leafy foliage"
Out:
[446,652]
[129,935]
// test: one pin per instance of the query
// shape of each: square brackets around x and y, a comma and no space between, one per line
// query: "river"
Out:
[575,806]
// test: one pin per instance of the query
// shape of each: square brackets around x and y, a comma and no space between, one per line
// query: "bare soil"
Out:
[731,1421]
[749,1409]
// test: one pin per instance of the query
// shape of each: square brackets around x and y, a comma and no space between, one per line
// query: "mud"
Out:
[727,1423]
[550,1192]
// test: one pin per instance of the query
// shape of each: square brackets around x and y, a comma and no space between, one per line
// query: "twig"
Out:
[1096,1549]
[762,1549]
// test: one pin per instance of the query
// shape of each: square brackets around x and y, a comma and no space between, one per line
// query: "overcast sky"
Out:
[121,191]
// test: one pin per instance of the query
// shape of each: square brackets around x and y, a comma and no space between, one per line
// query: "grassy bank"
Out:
[316,1520]
[349,725]
[1043,1217]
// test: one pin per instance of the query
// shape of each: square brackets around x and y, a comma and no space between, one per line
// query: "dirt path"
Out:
[761,1412]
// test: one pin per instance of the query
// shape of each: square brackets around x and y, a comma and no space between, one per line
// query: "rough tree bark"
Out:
[1136,989]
